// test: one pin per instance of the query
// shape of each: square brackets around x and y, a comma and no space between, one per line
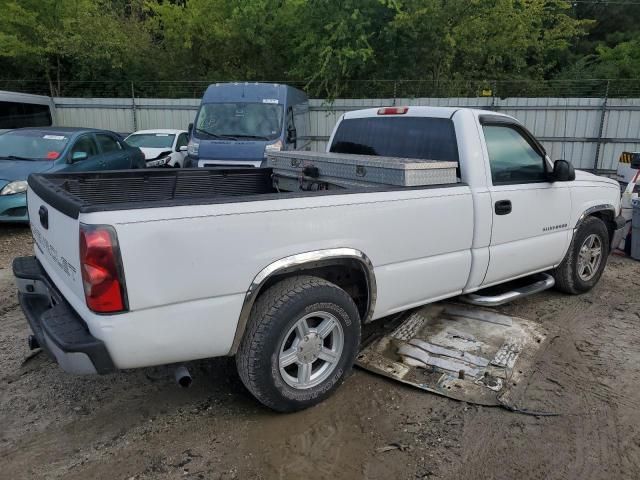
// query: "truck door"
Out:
[530,230]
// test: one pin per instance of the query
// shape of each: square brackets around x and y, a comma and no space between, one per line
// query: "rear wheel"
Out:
[301,340]
[584,263]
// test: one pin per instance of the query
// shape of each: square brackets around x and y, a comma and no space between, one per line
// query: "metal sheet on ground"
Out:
[462,352]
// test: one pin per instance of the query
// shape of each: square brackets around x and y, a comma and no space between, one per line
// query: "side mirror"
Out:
[190,128]
[79,156]
[563,171]
[292,135]
[183,148]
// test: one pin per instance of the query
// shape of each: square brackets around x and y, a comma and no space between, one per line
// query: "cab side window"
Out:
[511,157]
[84,144]
[107,143]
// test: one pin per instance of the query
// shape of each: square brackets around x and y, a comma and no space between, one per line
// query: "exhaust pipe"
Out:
[183,377]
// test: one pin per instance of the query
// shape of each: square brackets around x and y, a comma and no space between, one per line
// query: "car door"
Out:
[112,154]
[530,219]
[83,154]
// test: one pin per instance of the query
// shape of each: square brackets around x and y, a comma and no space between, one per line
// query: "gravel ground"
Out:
[139,425]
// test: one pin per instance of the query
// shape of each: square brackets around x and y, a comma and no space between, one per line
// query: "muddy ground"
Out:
[139,425]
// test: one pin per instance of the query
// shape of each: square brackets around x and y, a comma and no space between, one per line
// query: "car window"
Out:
[406,137]
[183,140]
[32,144]
[150,140]
[18,115]
[511,157]
[107,143]
[85,144]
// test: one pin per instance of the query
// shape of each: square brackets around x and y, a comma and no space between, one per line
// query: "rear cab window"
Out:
[425,138]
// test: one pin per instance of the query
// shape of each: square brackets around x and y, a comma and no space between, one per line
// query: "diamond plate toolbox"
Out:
[364,169]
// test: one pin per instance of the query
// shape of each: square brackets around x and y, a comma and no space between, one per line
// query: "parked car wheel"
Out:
[301,341]
[586,258]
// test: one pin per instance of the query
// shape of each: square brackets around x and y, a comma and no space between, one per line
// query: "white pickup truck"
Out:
[283,280]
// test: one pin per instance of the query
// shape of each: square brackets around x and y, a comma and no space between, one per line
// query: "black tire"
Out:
[566,275]
[275,312]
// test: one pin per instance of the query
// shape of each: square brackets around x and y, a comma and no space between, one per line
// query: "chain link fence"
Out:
[598,88]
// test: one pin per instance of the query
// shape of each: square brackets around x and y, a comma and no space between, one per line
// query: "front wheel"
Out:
[584,263]
[301,341]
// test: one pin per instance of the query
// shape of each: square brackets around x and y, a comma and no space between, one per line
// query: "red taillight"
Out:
[101,271]
[393,110]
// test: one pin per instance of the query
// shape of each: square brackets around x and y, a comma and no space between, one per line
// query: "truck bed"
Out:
[75,193]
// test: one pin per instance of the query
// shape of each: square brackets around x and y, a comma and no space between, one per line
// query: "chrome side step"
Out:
[544,283]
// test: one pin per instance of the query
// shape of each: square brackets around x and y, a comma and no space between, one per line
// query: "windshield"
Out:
[234,121]
[31,145]
[150,140]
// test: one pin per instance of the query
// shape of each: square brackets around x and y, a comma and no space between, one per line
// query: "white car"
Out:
[162,147]
[283,275]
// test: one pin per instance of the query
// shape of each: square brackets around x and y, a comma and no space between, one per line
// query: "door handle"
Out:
[503,207]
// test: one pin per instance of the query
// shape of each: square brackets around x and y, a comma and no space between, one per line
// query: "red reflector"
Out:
[101,271]
[392,110]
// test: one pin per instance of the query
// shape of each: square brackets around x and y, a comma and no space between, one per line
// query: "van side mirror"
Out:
[190,128]
[563,171]
[182,148]
[292,136]
[79,156]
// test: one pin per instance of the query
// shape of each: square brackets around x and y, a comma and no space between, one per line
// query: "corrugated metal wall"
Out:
[570,128]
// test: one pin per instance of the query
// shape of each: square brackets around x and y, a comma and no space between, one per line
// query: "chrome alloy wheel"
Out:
[311,350]
[589,257]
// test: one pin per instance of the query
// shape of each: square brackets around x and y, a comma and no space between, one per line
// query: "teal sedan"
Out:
[54,149]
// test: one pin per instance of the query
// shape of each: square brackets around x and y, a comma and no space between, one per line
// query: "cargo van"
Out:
[238,123]
[18,110]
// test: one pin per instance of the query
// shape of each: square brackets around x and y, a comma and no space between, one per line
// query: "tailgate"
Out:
[56,236]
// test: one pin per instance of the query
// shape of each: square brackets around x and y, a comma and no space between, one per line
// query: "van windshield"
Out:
[235,121]
[406,137]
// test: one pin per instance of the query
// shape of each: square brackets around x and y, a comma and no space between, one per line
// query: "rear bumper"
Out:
[13,208]
[57,327]
[618,232]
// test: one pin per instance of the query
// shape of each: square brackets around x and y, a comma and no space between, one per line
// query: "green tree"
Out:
[80,40]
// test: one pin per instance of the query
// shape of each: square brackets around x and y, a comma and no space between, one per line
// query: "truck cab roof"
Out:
[422,111]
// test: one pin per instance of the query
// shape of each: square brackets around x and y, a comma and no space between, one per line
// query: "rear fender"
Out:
[300,263]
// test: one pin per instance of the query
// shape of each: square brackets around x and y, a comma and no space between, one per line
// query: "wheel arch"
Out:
[605,212]
[348,268]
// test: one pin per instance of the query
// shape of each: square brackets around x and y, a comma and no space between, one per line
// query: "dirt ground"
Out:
[139,425]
